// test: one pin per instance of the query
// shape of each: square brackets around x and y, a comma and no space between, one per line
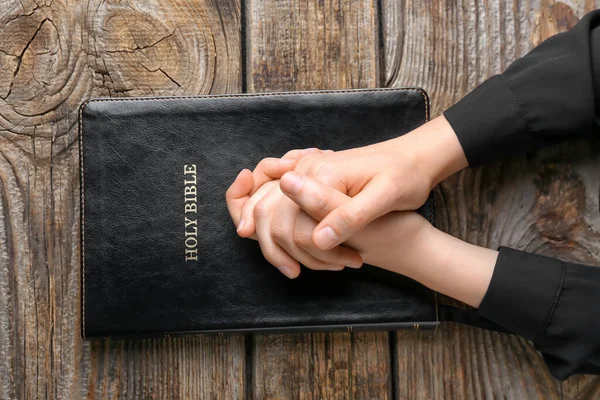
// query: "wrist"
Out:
[396,242]
[437,150]
[456,268]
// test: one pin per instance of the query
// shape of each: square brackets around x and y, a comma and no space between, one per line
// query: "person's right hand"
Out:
[393,241]
[403,242]
[394,175]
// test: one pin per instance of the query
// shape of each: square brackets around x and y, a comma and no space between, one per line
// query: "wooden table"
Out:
[55,54]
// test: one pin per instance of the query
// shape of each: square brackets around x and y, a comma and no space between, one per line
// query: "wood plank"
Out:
[53,56]
[293,45]
[175,368]
[545,202]
[464,363]
[302,45]
[322,366]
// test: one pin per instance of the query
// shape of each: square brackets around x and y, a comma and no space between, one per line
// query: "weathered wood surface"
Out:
[314,44]
[298,45]
[545,202]
[55,54]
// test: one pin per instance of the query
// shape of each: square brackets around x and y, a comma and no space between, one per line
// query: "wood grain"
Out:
[466,363]
[322,366]
[176,368]
[545,202]
[54,55]
[314,44]
[303,45]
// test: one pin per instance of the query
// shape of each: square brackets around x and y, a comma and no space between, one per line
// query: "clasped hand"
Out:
[322,208]
[328,210]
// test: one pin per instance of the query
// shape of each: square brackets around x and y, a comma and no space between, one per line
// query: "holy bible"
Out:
[159,253]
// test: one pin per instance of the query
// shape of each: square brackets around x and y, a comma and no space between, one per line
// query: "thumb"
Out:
[349,218]
[238,194]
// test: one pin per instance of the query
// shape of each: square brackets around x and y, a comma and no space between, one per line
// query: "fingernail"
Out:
[293,183]
[326,238]
[335,268]
[241,225]
[353,265]
[308,151]
[287,271]
[286,161]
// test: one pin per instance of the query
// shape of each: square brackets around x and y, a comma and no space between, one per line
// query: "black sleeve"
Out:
[553,303]
[549,95]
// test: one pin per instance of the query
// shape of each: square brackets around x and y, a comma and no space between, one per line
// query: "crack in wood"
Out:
[20,58]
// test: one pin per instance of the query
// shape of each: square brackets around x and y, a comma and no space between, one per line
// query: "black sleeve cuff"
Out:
[488,124]
[523,292]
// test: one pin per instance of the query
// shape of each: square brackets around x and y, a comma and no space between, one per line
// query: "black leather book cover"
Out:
[159,252]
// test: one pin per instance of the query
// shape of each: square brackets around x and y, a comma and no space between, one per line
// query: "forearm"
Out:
[453,267]
[541,299]
[436,148]
[405,243]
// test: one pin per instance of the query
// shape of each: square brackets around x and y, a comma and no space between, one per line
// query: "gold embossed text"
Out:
[190,209]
